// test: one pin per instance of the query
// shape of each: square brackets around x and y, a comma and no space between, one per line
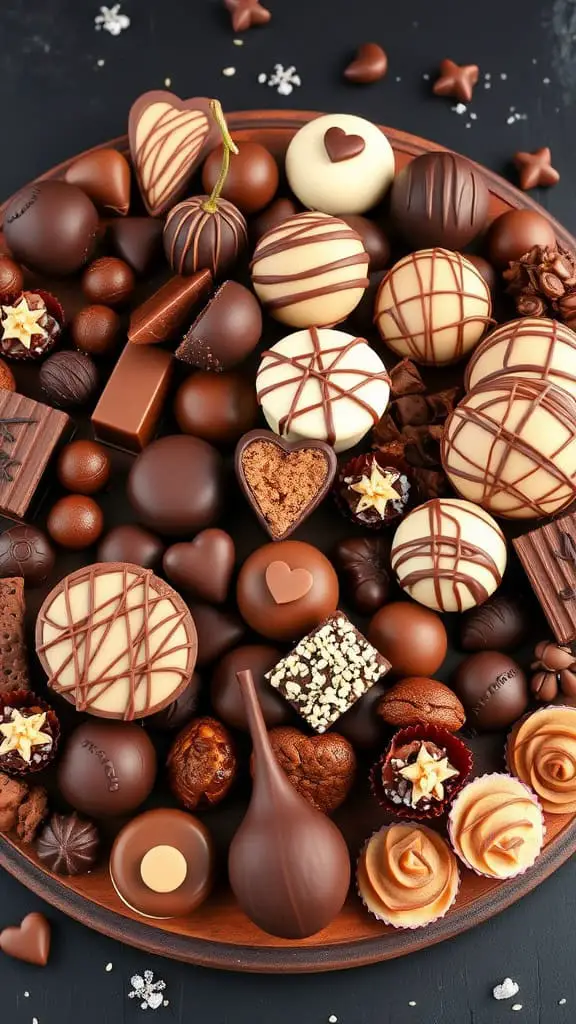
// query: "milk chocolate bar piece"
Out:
[30,432]
[169,309]
[548,557]
[131,404]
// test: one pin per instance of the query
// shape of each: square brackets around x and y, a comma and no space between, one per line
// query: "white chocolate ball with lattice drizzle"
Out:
[322,385]
[449,555]
[433,307]
[310,271]
[529,347]
[510,446]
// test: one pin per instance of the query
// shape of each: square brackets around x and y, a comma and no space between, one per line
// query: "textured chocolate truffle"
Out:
[108,281]
[83,467]
[51,227]
[439,199]
[501,623]
[131,543]
[514,233]
[95,330]
[493,690]
[26,551]
[107,768]
[219,407]
[196,238]
[226,331]
[176,485]
[68,845]
[68,379]
[11,277]
[252,179]
[75,522]
[226,695]
[412,638]
[202,763]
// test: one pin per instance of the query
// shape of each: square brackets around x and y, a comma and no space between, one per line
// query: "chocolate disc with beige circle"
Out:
[161,863]
[116,641]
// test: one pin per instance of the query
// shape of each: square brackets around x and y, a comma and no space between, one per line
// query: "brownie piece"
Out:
[31,814]
[12,793]
[13,659]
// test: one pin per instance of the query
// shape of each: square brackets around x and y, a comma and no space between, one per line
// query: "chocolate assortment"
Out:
[284,526]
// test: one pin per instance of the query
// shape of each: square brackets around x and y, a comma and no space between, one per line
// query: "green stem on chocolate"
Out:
[229,147]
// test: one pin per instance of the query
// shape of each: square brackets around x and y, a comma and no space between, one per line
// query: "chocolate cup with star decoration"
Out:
[431,745]
[30,325]
[375,490]
[27,749]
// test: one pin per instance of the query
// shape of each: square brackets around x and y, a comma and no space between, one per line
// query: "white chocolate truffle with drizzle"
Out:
[449,555]
[433,307]
[310,271]
[322,385]
[528,347]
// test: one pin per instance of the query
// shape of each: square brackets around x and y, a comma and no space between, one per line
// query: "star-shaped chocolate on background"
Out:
[457,80]
[536,169]
[246,13]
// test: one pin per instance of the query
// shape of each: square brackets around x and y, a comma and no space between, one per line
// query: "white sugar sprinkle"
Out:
[460,108]
[282,79]
[108,967]
[398,79]
[228,72]
[426,78]
[534,60]
[503,76]
[506,989]
[473,116]
[332,1019]
[167,82]
[34,1020]
[510,120]
[100,63]
[562,1002]
[546,81]
[238,42]
[412,1003]
[487,75]
[487,85]
[26,995]
[467,125]
[110,20]
[517,1006]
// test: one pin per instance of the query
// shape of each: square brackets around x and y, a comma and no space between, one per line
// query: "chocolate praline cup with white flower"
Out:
[29,733]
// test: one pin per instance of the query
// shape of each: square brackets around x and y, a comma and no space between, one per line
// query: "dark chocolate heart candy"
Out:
[218,632]
[341,146]
[29,941]
[369,65]
[282,480]
[138,241]
[202,566]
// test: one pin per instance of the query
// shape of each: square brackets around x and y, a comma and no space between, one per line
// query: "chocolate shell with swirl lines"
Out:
[500,624]
[199,235]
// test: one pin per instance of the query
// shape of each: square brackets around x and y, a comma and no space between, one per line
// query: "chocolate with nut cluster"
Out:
[543,283]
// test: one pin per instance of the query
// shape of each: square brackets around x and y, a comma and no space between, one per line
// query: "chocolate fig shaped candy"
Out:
[288,864]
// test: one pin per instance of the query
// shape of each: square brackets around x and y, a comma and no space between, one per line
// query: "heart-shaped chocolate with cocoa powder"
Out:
[284,481]
[29,941]
[341,146]
[168,139]
[202,566]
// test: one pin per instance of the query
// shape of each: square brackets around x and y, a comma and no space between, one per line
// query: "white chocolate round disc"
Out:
[433,306]
[322,385]
[510,446]
[449,555]
[163,868]
[344,183]
[311,270]
[528,347]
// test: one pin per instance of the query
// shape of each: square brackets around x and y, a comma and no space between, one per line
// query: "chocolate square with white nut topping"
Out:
[328,671]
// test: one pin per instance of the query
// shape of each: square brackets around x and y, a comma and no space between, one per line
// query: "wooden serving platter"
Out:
[218,934]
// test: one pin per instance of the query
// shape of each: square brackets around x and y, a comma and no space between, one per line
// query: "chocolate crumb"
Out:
[31,814]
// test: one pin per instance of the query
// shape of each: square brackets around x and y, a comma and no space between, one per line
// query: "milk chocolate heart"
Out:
[202,566]
[168,139]
[283,481]
[369,65]
[104,175]
[286,584]
[341,146]
[29,941]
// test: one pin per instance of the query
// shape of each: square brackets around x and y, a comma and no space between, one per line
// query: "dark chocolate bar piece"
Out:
[548,557]
[131,404]
[30,432]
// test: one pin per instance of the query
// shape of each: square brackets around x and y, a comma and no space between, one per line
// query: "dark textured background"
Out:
[56,100]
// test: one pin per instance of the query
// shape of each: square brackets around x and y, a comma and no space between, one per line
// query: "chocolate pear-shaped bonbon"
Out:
[288,864]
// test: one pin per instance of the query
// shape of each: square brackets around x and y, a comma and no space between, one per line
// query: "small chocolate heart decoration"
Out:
[287,585]
[29,941]
[341,146]
[202,566]
[369,65]
[104,175]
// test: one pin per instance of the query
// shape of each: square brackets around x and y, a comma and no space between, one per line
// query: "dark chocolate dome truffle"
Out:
[176,485]
[196,238]
[493,690]
[51,227]
[68,379]
[439,199]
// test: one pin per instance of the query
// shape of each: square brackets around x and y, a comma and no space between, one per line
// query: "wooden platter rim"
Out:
[150,936]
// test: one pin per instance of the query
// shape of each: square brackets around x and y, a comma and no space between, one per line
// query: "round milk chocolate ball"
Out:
[226,695]
[75,522]
[108,281]
[285,589]
[218,407]
[374,240]
[176,485]
[107,768]
[514,233]
[252,179]
[411,637]
[131,543]
[493,690]
[95,330]
[11,277]
[51,227]
[83,467]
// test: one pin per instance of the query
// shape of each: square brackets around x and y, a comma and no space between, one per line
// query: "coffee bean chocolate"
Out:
[493,689]
[51,227]
[417,700]
[363,565]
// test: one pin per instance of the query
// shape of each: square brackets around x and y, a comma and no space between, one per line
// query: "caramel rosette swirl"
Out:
[542,752]
[407,875]
[497,826]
